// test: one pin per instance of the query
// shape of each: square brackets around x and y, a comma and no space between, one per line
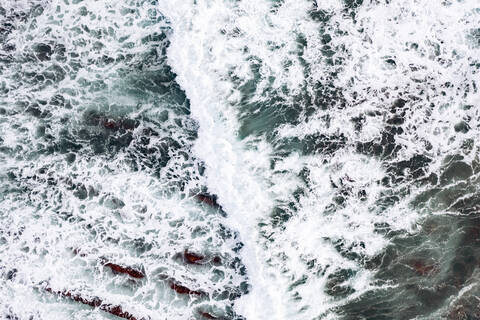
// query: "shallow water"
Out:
[239,159]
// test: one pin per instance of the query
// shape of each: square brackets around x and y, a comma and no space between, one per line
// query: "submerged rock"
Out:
[116,268]
[207,315]
[210,200]
[192,258]
[178,288]
[95,302]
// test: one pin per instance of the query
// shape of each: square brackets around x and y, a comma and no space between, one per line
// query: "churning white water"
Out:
[239,159]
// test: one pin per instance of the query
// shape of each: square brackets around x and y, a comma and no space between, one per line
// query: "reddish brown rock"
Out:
[93,302]
[193,258]
[208,200]
[217,260]
[123,270]
[184,290]
[423,268]
[113,266]
[207,315]
[109,124]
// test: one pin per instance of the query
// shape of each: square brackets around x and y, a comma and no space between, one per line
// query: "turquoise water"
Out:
[239,159]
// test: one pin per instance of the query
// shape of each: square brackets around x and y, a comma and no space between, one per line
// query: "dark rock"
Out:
[206,315]
[123,270]
[423,268]
[208,199]
[184,290]
[216,260]
[192,258]
[95,302]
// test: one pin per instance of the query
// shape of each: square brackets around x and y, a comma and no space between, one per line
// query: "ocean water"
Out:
[239,159]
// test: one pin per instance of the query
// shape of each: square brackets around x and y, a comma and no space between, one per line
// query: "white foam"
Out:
[200,56]
[213,42]
[125,211]
[203,52]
